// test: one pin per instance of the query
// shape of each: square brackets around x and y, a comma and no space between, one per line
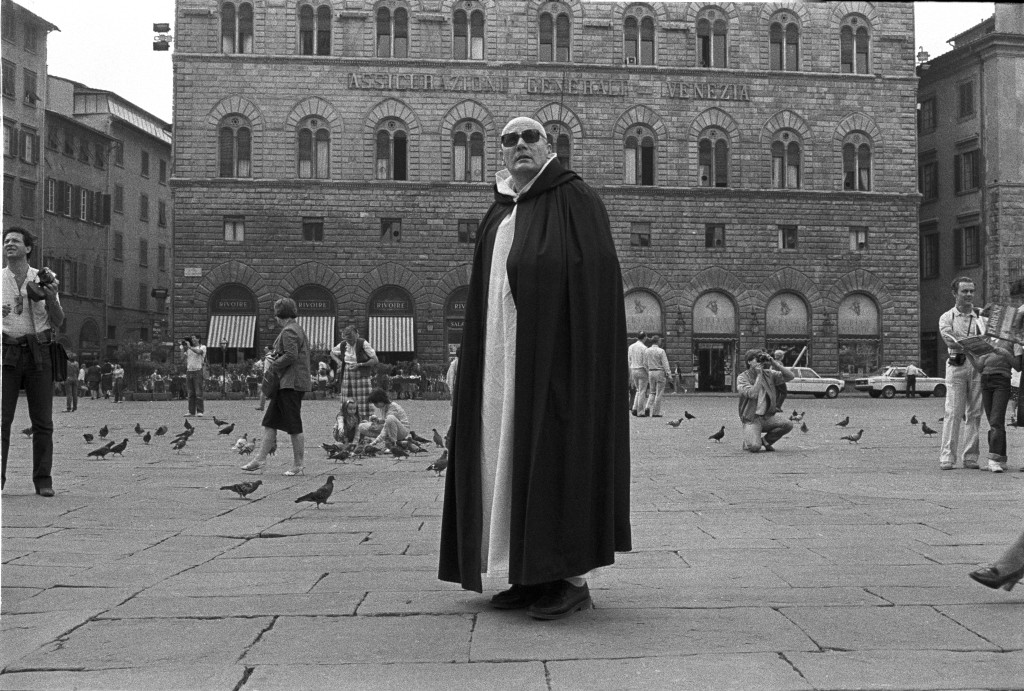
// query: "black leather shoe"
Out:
[990,577]
[45,491]
[519,596]
[561,600]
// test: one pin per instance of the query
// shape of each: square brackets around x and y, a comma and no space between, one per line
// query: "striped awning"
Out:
[319,331]
[392,334]
[238,330]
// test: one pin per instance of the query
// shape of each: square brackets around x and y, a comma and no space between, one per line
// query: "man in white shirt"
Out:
[912,374]
[657,375]
[637,356]
[963,380]
[195,359]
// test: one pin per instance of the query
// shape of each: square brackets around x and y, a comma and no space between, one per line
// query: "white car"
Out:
[893,380]
[809,381]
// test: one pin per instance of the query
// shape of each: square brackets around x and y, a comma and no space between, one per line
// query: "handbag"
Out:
[271,382]
[58,361]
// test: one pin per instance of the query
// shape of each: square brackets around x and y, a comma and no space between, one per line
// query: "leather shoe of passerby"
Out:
[45,491]
[519,596]
[561,599]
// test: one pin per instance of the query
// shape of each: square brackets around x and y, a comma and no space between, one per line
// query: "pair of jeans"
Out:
[774,427]
[639,379]
[656,387]
[118,390]
[995,394]
[194,384]
[963,397]
[21,371]
[71,389]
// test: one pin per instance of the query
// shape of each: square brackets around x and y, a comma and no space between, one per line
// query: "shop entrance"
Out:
[714,366]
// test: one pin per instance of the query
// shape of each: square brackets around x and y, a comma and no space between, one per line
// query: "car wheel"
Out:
[939,390]
[888,392]
[874,394]
[832,392]
[924,394]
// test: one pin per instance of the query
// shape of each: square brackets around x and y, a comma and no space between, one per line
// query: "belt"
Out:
[23,340]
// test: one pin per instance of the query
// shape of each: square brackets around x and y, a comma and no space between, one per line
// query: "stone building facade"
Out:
[971,171]
[756,160]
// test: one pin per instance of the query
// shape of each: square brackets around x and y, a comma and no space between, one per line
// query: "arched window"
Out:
[638,156]
[236,27]
[392,151]
[314,149]
[467,32]
[314,30]
[713,159]
[786,162]
[235,147]
[855,46]
[392,33]
[555,35]
[638,35]
[857,162]
[712,35]
[784,42]
[560,137]
[468,152]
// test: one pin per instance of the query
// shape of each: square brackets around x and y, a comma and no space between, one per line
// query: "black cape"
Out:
[570,467]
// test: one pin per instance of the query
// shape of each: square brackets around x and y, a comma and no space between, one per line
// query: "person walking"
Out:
[657,375]
[1006,571]
[357,360]
[758,388]
[537,485]
[290,360]
[71,383]
[913,372]
[638,378]
[31,311]
[106,378]
[995,369]
[963,380]
[195,379]
[92,379]
[118,378]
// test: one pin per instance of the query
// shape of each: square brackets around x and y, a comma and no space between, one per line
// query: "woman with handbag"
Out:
[285,381]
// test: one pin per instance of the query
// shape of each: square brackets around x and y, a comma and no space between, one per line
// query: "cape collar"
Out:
[551,175]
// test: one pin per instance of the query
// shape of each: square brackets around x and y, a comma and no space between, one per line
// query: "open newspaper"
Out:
[976,345]
[1006,323]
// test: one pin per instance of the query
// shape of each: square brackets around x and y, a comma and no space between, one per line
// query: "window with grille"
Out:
[468,152]
[786,160]
[236,27]
[468,32]
[967,250]
[392,151]
[966,171]
[313,229]
[234,228]
[713,159]
[788,237]
[314,153]
[314,30]
[856,163]
[929,253]
[235,148]
[714,235]
[638,160]
[784,43]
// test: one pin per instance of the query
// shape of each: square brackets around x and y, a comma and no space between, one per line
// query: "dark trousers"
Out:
[911,385]
[118,390]
[20,372]
[106,382]
[71,389]
[995,394]
[194,382]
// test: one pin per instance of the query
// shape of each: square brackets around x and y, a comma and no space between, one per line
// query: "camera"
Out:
[44,277]
[185,343]
[764,359]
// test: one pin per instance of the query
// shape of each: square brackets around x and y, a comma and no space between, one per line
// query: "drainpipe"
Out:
[982,114]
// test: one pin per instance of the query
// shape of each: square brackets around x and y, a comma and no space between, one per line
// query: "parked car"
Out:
[809,381]
[893,380]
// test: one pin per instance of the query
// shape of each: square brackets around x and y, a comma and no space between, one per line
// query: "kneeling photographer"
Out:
[758,390]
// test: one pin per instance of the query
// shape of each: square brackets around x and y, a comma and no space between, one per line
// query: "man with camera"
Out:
[963,380]
[759,401]
[195,361]
[31,310]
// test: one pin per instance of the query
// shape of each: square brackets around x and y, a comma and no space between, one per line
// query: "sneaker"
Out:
[200,415]
[971,465]
[945,466]
[996,466]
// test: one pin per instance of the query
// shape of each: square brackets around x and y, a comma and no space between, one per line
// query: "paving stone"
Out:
[233,583]
[59,598]
[909,669]
[528,676]
[146,606]
[349,581]
[23,634]
[11,597]
[998,623]
[733,596]
[967,592]
[183,677]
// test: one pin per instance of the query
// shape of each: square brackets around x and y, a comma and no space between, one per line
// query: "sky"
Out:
[108,44]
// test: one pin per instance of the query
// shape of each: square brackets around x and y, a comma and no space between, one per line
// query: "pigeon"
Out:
[219,423]
[438,439]
[179,444]
[240,442]
[913,419]
[339,455]
[321,495]
[227,430]
[119,448]
[398,451]
[367,450]
[103,432]
[412,446]
[717,436]
[926,429]
[244,489]
[27,431]
[138,428]
[88,438]
[146,437]
[100,452]
[418,439]
[803,427]
[333,447]
[188,425]
[183,435]
[941,419]
[853,437]
[248,448]
[161,430]
[440,464]
[686,414]
[676,423]
[844,423]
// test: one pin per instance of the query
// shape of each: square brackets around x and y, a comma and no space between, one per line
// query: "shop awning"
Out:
[238,330]
[392,334]
[319,331]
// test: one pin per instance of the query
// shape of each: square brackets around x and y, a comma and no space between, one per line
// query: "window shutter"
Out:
[59,197]
[105,220]
[76,202]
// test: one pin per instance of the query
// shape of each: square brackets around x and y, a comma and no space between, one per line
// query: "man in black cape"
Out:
[554,499]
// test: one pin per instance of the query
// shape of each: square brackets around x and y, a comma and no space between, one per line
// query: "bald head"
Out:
[522,123]
[525,159]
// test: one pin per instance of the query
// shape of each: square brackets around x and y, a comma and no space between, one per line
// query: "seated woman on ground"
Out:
[389,422]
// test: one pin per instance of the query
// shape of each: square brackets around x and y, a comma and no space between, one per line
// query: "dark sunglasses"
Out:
[512,138]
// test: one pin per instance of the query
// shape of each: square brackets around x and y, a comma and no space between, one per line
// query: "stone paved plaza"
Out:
[826,565]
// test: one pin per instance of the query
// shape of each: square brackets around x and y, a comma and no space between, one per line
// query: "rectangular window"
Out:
[714,235]
[118,149]
[119,247]
[69,197]
[966,171]
[10,28]
[966,109]
[390,230]
[143,296]
[313,229]
[467,231]
[83,205]
[31,38]
[234,228]
[928,180]
[161,257]
[143,252]
[144,207]
[83,151]
[83,279]
[52,138]
[28,199]
[69,144]
[161,212]
[787,237]
[31,95]
[28,146]
[8,78]
[858,238]
[111,329]
[926,116]
[116,298]
[8,195]
[640,234]
[967,250]
[10,140]
[119,199]
[97,281]
[163,171]
[144,167]
[929,252]
[100,156]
